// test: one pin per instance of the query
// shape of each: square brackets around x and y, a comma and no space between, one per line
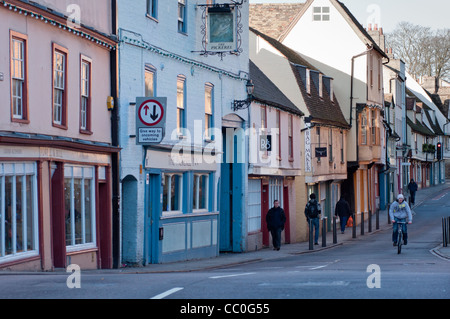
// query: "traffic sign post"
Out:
[150,120]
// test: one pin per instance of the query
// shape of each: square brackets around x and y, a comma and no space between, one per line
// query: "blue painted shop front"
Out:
[181,216]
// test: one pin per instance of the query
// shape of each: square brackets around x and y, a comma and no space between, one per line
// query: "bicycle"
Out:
[400,237]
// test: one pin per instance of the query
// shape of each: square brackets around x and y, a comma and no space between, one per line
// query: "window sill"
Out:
[20,121]
[151,18]
[81,248]
[60,126]
[86,132]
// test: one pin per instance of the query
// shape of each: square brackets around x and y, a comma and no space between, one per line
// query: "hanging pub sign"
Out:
[221,29]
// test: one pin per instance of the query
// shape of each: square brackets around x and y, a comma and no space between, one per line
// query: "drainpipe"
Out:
[351,79]
[115,142]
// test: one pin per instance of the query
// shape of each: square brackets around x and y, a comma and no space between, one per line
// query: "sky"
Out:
[388,13]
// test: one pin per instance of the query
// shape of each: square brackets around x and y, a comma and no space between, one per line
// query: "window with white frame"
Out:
[79,204]
[85,95]
[200,194]
[59,86]
[172,193]
[364,129]
[18,78]
[18,211]
[373,126]
[182,16]
[321,13]
[276,191]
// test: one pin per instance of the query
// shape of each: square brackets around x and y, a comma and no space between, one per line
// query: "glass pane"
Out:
[30,228]
[203,191]
[166,193]
[88,210]
[77,198]
[208,101]
[180,94]
[196,182]
[8,217]
[68,208]
[149,84]
[19,214]
[176,192]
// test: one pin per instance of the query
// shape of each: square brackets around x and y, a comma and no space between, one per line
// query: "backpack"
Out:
[313,209]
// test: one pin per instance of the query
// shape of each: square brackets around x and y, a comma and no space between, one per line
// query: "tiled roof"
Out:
[268,93]
[281,15]
[321,109]
[419,128]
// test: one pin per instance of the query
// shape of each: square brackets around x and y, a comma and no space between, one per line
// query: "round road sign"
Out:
[151,112]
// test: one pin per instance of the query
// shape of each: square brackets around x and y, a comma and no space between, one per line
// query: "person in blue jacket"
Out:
[399,212]
[276,219]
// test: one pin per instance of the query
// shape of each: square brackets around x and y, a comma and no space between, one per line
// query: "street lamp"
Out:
[243,104]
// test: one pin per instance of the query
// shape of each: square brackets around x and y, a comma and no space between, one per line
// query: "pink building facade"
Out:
[55,135]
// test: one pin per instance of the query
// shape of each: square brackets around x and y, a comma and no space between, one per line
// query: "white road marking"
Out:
[167,293]
[235,275]
[318,267]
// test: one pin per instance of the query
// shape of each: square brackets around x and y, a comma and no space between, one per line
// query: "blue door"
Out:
[231,194]
[152,210]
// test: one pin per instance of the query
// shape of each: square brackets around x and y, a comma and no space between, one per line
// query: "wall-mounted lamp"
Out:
[243,104]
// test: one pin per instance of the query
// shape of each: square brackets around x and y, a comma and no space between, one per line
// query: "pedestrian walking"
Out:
[343,211]
[276,219]
[412,187]
[312,213]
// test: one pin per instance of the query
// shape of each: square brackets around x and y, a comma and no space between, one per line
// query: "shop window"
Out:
[200,194]
[79,199]
[18,211]
[172,193]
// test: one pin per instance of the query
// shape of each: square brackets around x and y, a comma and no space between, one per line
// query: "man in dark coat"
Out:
[412,187]
[343,211]
[275,223]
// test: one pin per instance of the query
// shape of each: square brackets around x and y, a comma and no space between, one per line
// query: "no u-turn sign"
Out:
[150,120]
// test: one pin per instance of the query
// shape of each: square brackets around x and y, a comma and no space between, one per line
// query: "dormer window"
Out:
[321,85]
[331,90]
[321,14]
[308,81]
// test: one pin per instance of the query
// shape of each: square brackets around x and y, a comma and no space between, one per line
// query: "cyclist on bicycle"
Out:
[398,212]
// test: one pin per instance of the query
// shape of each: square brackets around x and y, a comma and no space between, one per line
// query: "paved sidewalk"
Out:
[288,250]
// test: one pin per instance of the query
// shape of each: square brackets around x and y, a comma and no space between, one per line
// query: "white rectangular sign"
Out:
[150,135]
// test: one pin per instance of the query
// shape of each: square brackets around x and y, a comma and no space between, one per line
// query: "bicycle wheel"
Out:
[399,242]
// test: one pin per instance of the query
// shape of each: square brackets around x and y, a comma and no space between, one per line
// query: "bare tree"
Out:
[425,52]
